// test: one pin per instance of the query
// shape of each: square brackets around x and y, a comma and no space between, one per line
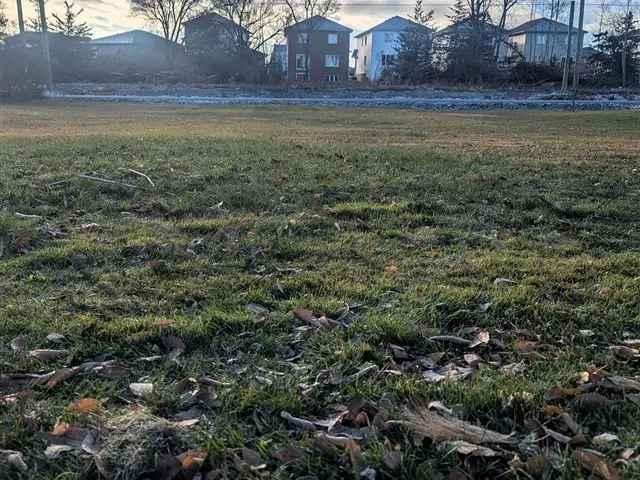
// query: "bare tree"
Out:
[505,8]
[305,9]
[169,14]
[262,19]
[4,21]
[34,23]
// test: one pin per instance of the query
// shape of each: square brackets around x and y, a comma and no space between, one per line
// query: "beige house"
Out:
[542,41]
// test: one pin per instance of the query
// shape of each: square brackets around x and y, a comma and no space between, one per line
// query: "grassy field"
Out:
[515,229]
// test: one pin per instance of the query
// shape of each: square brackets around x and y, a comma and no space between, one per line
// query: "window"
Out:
[389,37]
[332,78]
[365,60]
[332,61]
[303,38]
[388,60]
[332,39]
[301,61]
[540,40]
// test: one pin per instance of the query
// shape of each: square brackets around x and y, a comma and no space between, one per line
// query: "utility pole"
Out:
[567,57]
[576,70]
[45,45]
[20,16]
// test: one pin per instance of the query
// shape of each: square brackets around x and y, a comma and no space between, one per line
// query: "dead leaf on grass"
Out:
[513,369]
[591,401]
[48,355]
[175,345]
[13,458]
[192,460]
[441,428]
[14,398]
[482,338]
[447,373]
[469,449]
[597,464]
[141,389]
[300,423]
[605,439]
[625,353]
[307,316]
[85,405]
[56,338]
[504,282]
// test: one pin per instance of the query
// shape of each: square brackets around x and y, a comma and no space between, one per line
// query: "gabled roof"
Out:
[393,24]
[542,25]
[211,18]
[317,23]
[128,38]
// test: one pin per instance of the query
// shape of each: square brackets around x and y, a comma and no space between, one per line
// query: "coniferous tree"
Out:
[68,24]
[413,63]
[611,47]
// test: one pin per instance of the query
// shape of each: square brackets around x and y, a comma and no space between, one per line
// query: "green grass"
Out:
[406,216]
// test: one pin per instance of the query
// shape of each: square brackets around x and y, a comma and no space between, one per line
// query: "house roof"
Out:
[393,24]
[542,25]
[128,38]
[318,23]
[209,18]
[462,24]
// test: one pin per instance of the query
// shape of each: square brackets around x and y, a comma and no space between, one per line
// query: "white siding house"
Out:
[377,47]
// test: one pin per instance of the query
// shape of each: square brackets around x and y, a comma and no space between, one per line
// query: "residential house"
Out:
[497,36]
[135,53]
[378,47]
[318,50]
[543,40]
[220,48]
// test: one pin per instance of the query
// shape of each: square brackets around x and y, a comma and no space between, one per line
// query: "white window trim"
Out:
[306,62]
[332,65]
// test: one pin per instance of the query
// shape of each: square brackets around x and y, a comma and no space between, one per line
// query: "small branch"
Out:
[32,217]
[105,180]
[142,175]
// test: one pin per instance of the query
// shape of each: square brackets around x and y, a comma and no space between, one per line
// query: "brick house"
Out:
[318,50]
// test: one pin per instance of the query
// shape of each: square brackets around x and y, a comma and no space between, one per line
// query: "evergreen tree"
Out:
[413,63]
[622,42]
[69,24]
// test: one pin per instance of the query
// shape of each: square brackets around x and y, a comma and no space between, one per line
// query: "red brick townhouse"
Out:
[318,50]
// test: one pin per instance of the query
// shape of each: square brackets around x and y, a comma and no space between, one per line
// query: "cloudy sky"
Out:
[113,16]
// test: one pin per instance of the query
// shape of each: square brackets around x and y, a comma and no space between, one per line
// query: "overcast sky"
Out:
[112,16]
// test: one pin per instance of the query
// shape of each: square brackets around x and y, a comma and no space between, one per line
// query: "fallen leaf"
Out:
[472,359]
[504,281]
[441,428]
[469,449]
[141,389]
[13,458]
[61,375]
[562,393]
[447,373]
[290,454]
[192,460]
[14,398]
[513,369]
[47,355]
[307,316]
[54,451]
[605,439]
[482,338]
[591,401]
[597,464]
[526,346]
[252,458]
[451,339]
[162,322]
[85,405]
[56,338]
[300,423]
[625,353]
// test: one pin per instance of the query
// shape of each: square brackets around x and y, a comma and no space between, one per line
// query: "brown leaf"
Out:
[14,398]
[47,355]
[590,401]
[526,346]
[562,393]
[61,375]
[441,429]
[597,464]
[625,353]
[289,454]
[469,449]
[300,423]
[307,316]
[482,338]
[192,460]
[60,429]
[85,405]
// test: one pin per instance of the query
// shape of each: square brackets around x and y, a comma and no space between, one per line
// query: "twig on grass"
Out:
[142,175]
[32,217]
[105,180]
